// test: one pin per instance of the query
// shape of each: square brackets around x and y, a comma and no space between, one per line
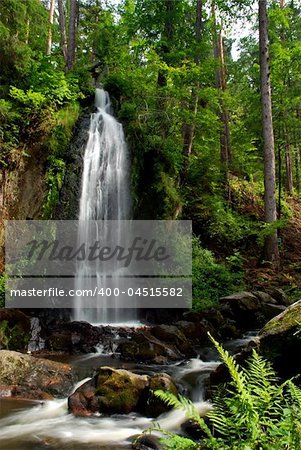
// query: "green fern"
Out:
[251,412]
[186,405]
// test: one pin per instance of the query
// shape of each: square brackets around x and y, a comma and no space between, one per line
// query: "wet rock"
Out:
[14,329]
[143,346]
[246,309]
[195,332]
[229,330]
[193,430]
[119,391]
[74,337]
[280,341]
[111,391]
[33,378]
[83,401]
[147,442]
[213,316]
[221,373]
[172,335]
[153,405]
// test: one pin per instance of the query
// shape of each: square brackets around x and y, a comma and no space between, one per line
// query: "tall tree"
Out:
[62,24]
[221,84]
[270,209]
[189,128]
[49,37]
[72,34]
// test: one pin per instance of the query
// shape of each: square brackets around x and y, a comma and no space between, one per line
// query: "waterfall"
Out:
[105,195]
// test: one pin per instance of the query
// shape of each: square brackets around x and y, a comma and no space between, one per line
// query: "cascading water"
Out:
[104,196]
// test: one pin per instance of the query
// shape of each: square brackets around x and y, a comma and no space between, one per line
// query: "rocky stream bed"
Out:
[75,385]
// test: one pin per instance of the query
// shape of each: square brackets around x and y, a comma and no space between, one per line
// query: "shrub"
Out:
[212,280]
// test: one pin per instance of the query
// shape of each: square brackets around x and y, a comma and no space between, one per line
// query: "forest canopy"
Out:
[187,80]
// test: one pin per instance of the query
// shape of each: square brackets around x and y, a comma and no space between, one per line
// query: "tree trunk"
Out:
[62,30]
[270,209]
[221,84]
[50,17]
[225,133]
[297,165]
[199,27]
[72,34]
[189,128]
[168,36]
[288,162]
[27,31]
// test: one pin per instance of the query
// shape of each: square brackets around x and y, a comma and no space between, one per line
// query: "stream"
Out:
[29,425]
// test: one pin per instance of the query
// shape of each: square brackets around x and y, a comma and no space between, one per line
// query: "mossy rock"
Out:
[30,377]
[14,329]
[280,341]
[119,391]
[288,320]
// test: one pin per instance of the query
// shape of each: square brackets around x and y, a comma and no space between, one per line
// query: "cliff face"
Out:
[25,184]
[22,188]
[68,202]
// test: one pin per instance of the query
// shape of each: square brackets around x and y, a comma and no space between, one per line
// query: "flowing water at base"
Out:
[41,425]
[48,425]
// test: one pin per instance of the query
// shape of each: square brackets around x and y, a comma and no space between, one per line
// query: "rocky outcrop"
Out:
[118,391]
[144,346]
[73,337]
[251,309]
[25,376]
[280,341]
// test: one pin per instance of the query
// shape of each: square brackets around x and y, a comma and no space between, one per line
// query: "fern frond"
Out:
[186,405]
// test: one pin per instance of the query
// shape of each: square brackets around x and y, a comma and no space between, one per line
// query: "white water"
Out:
[104,196]
[51,423]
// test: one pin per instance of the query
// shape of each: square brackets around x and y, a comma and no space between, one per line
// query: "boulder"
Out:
[245,308]
[146,442]
[119,391]
[25,376]
[271,310]
[153,406]
[195,332]
[243,300]
[73,337]
[264,297]
[143,346]
[111,391]
[170,334]
[193,430]
[280,296]
[280,341]
[14,329]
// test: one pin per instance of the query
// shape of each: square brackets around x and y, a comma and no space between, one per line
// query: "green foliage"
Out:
[212,280]
[251,412]
[32,101]
[12,338]
[57,145]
